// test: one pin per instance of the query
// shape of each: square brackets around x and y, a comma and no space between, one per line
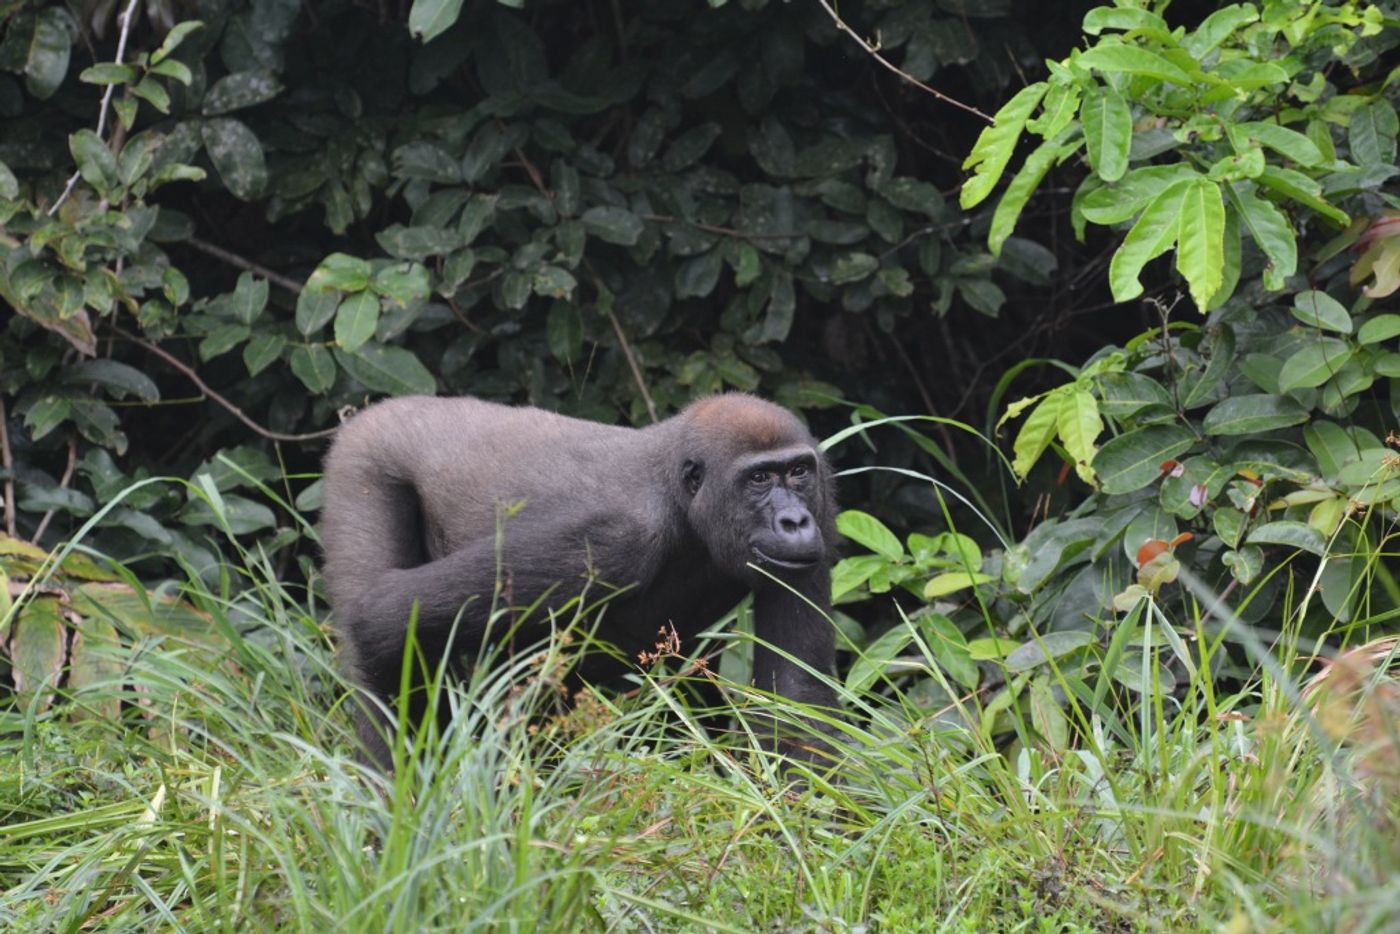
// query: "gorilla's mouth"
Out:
[795,563]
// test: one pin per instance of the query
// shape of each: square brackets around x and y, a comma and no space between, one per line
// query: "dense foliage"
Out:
[1118,606]
[604,209]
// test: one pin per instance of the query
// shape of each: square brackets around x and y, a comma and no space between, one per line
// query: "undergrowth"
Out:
[227,796]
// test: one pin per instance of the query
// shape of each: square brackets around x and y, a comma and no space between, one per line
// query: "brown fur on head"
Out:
[745,422]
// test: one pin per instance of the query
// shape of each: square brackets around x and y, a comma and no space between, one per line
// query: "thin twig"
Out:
[606,304]
[233,259]
[632,363]
[63,482]
[106,102]
[874,52]
[204,387]
[721,231]
[7,462]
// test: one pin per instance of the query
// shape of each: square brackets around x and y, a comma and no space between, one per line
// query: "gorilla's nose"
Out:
[795,525]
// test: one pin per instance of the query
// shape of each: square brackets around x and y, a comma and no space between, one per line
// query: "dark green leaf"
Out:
[237,155]
[95,161]
[1244,415]
[564,332]
[402,283]
[315,308]
[1371,133]
[1134,460]
[119,379]
[1380,328]
[418,243]
[340,271]
[249,298]
[314,366]
[9,185]
[613,224]
[852,267]
[1314,365]
[356,320]
[1293,534]
[262,351]
[239,90]
[222,339]
[1321,310]
[389,369]
[47,64]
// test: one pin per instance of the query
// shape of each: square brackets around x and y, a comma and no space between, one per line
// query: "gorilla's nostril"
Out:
[793,523]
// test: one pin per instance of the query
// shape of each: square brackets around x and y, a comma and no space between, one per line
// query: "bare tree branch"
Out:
[874,51]
[204,387]
[233,259]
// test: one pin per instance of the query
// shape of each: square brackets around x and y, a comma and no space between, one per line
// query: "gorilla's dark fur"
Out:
[675,512]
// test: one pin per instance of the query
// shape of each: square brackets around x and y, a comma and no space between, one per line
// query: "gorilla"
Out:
[686,516]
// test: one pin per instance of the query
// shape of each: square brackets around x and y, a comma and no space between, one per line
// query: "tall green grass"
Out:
[229,797]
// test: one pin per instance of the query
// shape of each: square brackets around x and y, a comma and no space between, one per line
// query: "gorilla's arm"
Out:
[793,627]
[558,558]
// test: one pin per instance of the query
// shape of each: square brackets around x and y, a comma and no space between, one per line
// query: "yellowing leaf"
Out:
[1079,427]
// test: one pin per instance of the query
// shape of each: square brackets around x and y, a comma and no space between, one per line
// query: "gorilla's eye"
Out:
[759,477]
[798,471]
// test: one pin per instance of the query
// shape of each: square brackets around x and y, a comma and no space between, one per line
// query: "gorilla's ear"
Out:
[692,474]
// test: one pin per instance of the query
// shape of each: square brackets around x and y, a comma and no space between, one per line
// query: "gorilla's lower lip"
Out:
[765,558]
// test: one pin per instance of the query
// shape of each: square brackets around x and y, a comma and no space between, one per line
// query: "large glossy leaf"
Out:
[1153,234]
[865,529]
[1371,133]
[1118,58]
[314,366]
[356,320]
[389,369]
[1321,311]
[1243,415]
[1288,143]
[47,64]
[1269,229]
[1108,132]
[1113,204]
[1133,460]
[1287,532]
[1316,363]
[1200,249]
